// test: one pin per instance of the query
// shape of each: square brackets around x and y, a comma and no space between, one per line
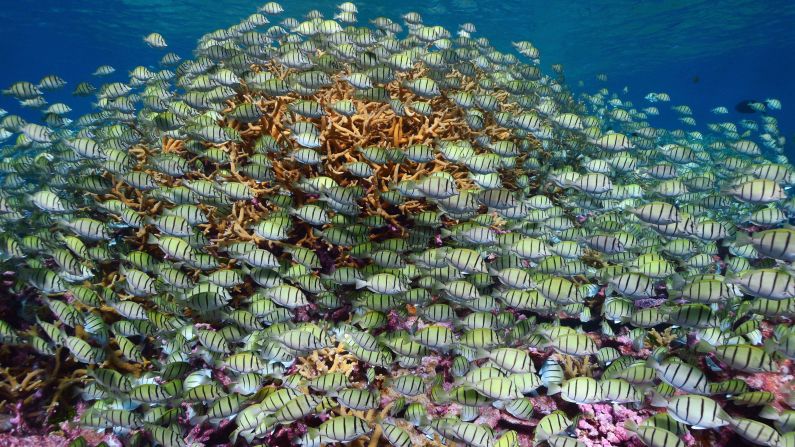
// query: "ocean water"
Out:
[704,53]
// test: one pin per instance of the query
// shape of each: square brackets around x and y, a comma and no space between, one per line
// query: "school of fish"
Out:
[379,232]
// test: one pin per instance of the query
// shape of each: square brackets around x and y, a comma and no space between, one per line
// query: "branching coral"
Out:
[661,339]
[36,394]
[578,366]
[322,361]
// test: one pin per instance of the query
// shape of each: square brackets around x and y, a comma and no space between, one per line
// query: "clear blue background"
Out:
[703,53]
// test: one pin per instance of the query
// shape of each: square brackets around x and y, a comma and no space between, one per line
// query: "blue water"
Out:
[703,53]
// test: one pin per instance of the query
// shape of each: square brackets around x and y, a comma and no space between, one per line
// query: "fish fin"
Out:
[553,388]
[480,353]
[442,395]
[704,347]
[727,417]
[745,308]
[769,412]
[237,432]
[657,400]
[630,425]
[789,398]
[787,266]
[589,290]
[424,421]
[771,346]
[198,420]
[414,326]
[677,282]
[712,365]
[742,238]
[312,433]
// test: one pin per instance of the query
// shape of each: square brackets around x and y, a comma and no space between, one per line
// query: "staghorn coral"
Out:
[660,339]
[322,361]
[577,367]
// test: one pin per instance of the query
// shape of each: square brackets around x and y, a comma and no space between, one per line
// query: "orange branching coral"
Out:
[593,258]
[373,124]
[660,339]
[39,389]
[578,367]
[326,360]
[171,145]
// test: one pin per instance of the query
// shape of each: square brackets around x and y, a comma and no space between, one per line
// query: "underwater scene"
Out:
[440,223]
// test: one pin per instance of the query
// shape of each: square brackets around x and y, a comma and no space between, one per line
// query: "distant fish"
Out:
[773,104]
[654,97]
[51,82]
[155,40]
[103,70]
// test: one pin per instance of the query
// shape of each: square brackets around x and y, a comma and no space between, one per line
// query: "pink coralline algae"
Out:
[302,313]
[603,425]
[779,383]
[204,433]
[395,322]
[497,420]
[649,302]
[543,405]
[286,435]
[626,347]
[223,378]
[52,440]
